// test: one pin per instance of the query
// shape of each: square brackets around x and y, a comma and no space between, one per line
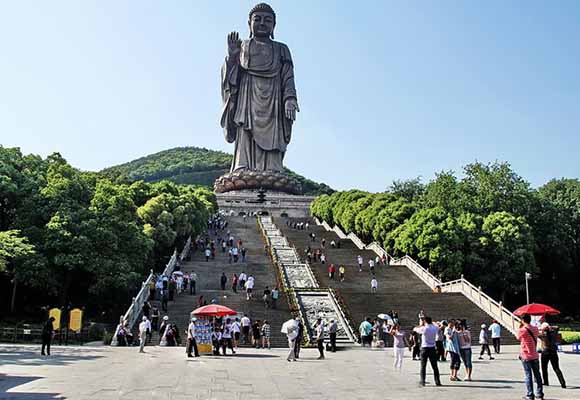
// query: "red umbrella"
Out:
[536,309]
[213,310]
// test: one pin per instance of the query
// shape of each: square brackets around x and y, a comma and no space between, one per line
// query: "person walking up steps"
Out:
[359,260]
[428,333]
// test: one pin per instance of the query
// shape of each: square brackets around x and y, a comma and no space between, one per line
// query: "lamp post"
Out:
[528,276]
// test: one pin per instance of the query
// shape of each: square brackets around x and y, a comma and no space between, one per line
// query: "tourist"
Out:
[374,284]
[359,260]
[164,299]
[465,348]
[265,331]
[158,288]
[191,342]
[365,330]
[275,296]
[341,272]
[495,330]
[528,336]
[313,237]
[415,345]
[201,301]
[377,260]
[331,271]
[163,325]
[256,334]
[319,336]
[207,254]
[230,256]
[223,246]
[216,340]
[298,342]
[332,244]
[227,336]
[440,340]
[152,289]
[452,347]
[323,243]
[235,254]
[291,330]
[332,330]
[155,318]
[235,283]
[428,333]
[242,279]
[223,281]
[322,258]
[548,336]
[484,342]
[146,309]
[46,336]
[371,265]
[142,334]
[398,346]
[266,297]
[246,324]
[192,283]
[236,329]
[244,251]
[249,287]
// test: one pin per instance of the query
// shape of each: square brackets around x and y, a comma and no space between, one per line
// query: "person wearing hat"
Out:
[548,337]
[191,343]
[163,325]
[484,342]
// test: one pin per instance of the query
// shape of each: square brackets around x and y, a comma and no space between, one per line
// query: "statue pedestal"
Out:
[276,204]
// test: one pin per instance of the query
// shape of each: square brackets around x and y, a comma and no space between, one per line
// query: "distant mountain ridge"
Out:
[192,166]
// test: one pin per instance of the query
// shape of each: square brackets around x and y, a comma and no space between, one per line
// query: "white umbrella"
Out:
[385,317]
[178,273]
[291,324]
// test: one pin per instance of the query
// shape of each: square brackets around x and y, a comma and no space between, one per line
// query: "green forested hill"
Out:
[191,165]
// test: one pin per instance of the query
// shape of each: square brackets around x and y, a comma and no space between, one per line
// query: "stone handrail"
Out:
[186,249]
[493,308]
[130,317]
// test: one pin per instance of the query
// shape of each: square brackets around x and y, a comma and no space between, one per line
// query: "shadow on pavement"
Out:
[10,381]
[16,355]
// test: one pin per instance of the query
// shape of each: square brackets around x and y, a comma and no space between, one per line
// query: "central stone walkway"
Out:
[107,373]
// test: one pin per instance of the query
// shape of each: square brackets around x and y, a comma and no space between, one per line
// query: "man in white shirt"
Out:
[374,285]
[192,283]
[191,342]
[246,323]
[319,332]
[359,260]
[236,329]
[372,265]
[142,334]
[249,287]
[291,330]
[242,280]
[428,333]
[495,330]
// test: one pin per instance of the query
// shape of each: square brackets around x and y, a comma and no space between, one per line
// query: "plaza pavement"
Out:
[105,373]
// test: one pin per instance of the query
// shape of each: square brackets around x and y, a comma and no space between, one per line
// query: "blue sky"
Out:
[387,89]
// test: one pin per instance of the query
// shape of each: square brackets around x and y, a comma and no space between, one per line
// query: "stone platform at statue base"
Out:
[276,204]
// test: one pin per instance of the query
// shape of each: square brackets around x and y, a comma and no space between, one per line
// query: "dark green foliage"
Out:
[82,238]
[190,166]
[489,226]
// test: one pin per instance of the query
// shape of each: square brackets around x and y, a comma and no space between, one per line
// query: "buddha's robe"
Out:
[255,87]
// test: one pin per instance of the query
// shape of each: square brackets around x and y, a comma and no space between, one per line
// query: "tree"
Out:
[12,246]
[411,189]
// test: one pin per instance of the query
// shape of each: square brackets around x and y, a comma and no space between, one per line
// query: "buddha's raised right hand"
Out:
[234,44]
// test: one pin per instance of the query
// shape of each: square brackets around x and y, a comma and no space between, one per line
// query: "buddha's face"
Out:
[261,24]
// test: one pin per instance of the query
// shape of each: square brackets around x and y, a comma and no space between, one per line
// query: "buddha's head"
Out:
[262,21]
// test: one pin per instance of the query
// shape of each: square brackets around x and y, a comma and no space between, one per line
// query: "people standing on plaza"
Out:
[359,260]
[528,335]
[398,346]
[332,330]
[142,334]
[216,340]
[365,330]
[246,324]
[484,342]
[236,329]
[548,337]
[235,283]
[319,336]
[290,328]
[341,272]
[191,342]
[227,336]
[495,330]
[256,333]
[46,336]
[298,343]
[223,281]
[374,284]
[192,283]
[428,333]
[266,332]
[415,345]
[440,340]
[465,349]
[452,347]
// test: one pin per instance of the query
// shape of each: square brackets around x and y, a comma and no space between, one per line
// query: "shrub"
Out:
[570,337]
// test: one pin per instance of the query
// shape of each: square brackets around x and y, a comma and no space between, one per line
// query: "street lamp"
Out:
[528,276]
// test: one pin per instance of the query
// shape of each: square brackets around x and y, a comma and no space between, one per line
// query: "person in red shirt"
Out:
[528,336]
[331,271]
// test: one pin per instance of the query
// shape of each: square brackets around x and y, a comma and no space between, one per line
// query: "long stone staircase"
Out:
[399,289]
[208,284]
